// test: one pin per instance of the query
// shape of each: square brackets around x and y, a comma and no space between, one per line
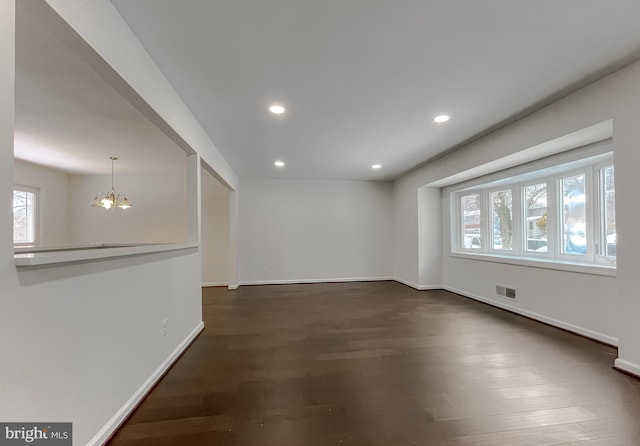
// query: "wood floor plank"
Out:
[378,363]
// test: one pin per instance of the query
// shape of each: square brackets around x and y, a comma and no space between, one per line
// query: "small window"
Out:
[535,206]
[608,237]
[24,216]
[471,214]
[574,234]
[502,228]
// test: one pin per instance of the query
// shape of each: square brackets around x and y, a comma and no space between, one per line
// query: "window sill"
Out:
[30,256]
[600,270]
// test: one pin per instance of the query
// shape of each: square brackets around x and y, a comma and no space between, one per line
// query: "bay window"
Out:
[563,213]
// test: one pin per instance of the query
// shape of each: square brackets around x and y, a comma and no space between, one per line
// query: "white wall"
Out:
[304,230]
[102,27]
[583,303]
[83,338]
[429,244]
[158,215]
[53,195]
[7,119]
[79,340]
[405,240]
[215,246]
[599,305]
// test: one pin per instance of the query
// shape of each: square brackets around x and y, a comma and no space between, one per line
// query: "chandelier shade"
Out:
[112,199]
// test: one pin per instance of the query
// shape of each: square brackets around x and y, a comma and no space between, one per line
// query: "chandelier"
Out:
[112,199]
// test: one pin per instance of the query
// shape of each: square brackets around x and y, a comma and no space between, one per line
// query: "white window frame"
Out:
[588,257]
[36,213]
[551,174]
[551,223]
[600,236]
[514,217]
[460,223]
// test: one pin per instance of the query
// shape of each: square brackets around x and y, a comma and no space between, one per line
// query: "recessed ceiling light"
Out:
[277,109]
[279,163]
[376,166]
[441,118]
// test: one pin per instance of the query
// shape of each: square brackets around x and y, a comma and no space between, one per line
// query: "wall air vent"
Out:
[505,291]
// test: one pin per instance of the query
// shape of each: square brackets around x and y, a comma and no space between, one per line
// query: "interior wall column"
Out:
[430,243]
[7,118]
[233,239]
[194,191]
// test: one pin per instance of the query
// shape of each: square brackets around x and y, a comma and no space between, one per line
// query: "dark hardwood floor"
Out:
[377,363]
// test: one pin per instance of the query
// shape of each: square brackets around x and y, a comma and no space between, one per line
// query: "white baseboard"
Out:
[289,281]
[627,366]
[341,279]
[205,284]
[601,337]
[418,287]
[121,415]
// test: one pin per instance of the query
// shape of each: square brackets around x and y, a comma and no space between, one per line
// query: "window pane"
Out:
[535,199]
[502,231]
[575,217]
[471,221]
[23,217]
[609,210]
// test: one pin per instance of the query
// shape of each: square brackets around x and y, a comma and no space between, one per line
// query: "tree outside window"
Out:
[502,219]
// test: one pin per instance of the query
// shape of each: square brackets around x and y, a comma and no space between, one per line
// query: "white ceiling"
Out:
[361,79]
[69,118]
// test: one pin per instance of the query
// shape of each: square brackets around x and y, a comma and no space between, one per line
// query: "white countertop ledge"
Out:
[85,253]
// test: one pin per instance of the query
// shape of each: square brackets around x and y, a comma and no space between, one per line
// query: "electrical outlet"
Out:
[165,324]
[266,269]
